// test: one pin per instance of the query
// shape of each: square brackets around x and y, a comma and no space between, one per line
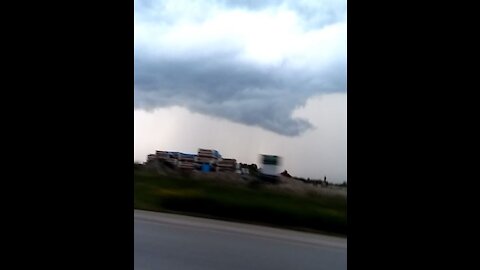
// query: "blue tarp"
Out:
[205,167]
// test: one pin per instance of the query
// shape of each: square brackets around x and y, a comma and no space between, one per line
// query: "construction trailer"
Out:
[270,167]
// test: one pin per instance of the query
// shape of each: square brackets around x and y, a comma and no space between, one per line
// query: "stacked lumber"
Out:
[227,165]
[208,156]
[186,161]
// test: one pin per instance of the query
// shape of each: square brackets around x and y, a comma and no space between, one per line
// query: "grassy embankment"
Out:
[247,202]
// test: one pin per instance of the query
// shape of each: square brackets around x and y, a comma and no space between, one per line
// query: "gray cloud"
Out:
[314,12]
[218,82]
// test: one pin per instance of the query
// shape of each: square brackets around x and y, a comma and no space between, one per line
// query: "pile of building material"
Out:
[162,155]
[170,157]
[207,160]
[226,165]
[207,156]
[151,158]
[186,161]
[152,161]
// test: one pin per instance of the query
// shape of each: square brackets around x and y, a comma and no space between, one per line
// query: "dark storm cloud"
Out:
[219,84]
[316,13]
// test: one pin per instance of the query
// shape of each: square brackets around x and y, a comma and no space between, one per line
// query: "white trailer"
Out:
[270,165]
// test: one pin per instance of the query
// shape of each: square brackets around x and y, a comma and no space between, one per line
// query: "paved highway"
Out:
[167,241]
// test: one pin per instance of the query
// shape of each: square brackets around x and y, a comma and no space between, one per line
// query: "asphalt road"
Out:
[166,241]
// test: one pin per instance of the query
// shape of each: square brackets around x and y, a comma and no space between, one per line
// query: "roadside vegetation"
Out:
[247,200]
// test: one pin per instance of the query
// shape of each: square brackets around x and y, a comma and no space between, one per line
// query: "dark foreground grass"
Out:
[246,203]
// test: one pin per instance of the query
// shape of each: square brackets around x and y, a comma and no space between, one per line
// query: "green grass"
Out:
[246,203]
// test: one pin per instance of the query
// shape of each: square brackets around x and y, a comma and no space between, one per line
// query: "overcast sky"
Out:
[243,77]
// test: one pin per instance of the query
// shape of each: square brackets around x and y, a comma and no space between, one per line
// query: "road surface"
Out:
[167,241]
